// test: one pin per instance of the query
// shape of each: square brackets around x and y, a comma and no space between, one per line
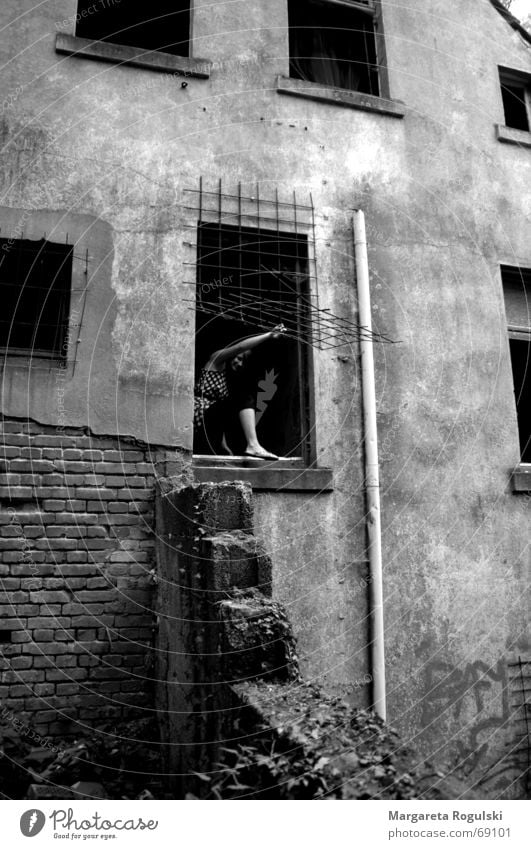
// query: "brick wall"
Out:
[76,587]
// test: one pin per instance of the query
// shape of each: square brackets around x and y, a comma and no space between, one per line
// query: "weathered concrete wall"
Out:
[445,204]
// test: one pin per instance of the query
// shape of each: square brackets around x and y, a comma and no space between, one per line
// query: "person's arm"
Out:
[224,354]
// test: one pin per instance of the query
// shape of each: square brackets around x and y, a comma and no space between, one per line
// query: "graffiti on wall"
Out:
[474,696]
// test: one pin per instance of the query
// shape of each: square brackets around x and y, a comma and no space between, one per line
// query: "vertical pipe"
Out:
[372,477]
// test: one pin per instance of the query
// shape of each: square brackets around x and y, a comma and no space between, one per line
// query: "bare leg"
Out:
[248,423]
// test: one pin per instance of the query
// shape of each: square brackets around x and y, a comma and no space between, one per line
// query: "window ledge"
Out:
[340,96]
[155,60]
[521,478]
[280,476]
[512,136]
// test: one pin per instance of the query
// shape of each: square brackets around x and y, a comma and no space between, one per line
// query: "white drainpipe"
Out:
[372,477]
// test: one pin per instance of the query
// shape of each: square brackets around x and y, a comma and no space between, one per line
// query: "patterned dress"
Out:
[210,388]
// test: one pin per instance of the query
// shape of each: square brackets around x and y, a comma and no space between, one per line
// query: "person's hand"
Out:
[277,331]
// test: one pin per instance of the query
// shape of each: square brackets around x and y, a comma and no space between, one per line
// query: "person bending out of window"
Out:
[226,389]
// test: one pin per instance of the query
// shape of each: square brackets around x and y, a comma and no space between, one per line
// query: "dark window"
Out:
[517,293]
[515,96]
[249,280]
[334,44]
[158,25]
[35,282]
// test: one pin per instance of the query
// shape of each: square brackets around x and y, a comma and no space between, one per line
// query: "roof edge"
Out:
[511,20]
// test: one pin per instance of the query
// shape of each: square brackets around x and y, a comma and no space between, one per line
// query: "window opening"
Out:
[517,294]
[515,96]
[35,282]
[159,25]
[334,43]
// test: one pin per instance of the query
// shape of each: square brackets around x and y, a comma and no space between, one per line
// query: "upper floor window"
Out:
[162,25]
[35,281]
[516,96]
[334,43]
[517,294]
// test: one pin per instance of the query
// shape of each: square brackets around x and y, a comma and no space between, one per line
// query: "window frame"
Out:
[304,353]
[80,16]
[59,352]
[504,132]
[372,8]
[518,333]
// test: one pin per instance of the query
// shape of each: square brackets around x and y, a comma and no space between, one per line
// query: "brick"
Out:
[70,569]
[113,456]
[73,466]
[94,480]
[72,454]
[42,636]
[32,466]
[37,570]
[97,506]
[115,468]
[118,506]
[67,689]
[67,660]
[74,480]
[51,453]
[54,441]
[34,531]
[16,492]
[99,544]
[89,621]
[96,595]
[92,454]
[21,662]
[73,518]
[32,453]
[53,504]
[9,584]
[28,609]
[12,557]
[19,439]
[96,493]
[41,662]
[7,451]
[10,480]
[88,661]
[86,635]
[96,532]
[115,480]
[77,557]
[76,504]
[120,519]
[97,583]
[50,597]
[52,491]
[145,469]
[58,544]
[78,674]
[134,456]
[21,637]
[44,689]
[54,480]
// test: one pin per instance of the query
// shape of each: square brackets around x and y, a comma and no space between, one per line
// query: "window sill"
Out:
[281,476]
[512,136]
[340,97]
[155,60]
[521,478]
